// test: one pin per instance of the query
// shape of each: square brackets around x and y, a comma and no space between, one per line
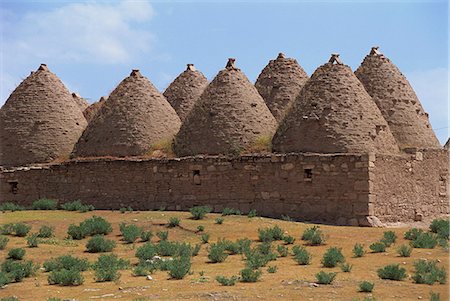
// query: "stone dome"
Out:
[40,121]
[334,114]
[185,90]
[397,101]
[92,110]
[280,83]
[133,119]
[229,116]
[81,102]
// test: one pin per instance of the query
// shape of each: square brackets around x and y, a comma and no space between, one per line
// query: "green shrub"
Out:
[32,240]
[4,279]
[10,299]
[332,257]
[254,259]
[287,218]
[219,221]
[435,296]
[199,212]
[272,269]
[301,255]
[196,249]
[17,270]
[21,229]
[146,236]
[250,275]
[44,204]
[346,268]
[314,236]
[46,231]
[162,235]
[309,232]
[288,240]
[270,234]
[230,211]
[173,222]
[107,267]
[200,228]
[16,253]
[252,213]
[227,281]
[392,272]
[66,262]
[325,278]
[96,225]
[8,206]
[77,206]
[3,242]
[404,251]
[412,234]
[166,248]
[99,244]
[428,272]
[441,227]
[179,267]
[378,247]
[244,245]
[205,238]
[146,252]
[358,250]
[216,253]
[130,233]
[65,277]
[425,240]
[7,229]
[231,247]
[389,237]
[54,299]
[366,286]
[283,250]
[142,269]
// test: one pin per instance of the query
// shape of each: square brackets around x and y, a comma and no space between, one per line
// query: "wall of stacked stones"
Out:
[327,188]
[412,187]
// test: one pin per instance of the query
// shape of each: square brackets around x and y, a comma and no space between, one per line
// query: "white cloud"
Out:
[432,89]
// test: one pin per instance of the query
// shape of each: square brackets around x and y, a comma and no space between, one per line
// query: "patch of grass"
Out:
[378,247]
[173,222]
[125,209]
[21,229]
[7,229]
[3,242]
[16,254]
[216,253]
[44,204]
[425,240]
[46,231]
[99,244]
[179,267]
[162,235]
[130,233]
[412,234]
[404,251]
[272,269]
[146,236]
[250,275]
[283,251]
[199,212]
[441,227]
[301,255]
[230,211]
[366,286]
[32,240]
[270,234]
[346,267]
[288,240]
[77,206]
[107,267]
[428,272]
[9,206]
[332,257]
[67,262]
[392,272]
[261,144]
[230,281]
[435,296]
[389,237]
[205,238]
[165,146]
[200,228]
[65,277]
[252,213]
[358,250]
[325,278]
[219,221]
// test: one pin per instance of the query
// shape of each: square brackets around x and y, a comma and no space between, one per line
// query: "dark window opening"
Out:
[308,173]
[196,175]
[13,186]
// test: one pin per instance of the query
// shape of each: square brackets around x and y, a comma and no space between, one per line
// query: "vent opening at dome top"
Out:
[334,59]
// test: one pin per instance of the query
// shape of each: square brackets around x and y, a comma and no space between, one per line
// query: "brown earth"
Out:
[291,282]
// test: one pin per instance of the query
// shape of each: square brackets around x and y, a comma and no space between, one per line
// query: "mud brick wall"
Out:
[412,187]
[326,188]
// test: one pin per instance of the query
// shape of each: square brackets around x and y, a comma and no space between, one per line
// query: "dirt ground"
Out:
[290,282]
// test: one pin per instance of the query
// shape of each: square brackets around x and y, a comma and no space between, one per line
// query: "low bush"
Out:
[21,229]
[66,262]
[44,204]
[412,234]
[179,267]
[231,247]
[65,277]
[199,212]
[270,234]
[130,233]
[266,249]
[308,233]
[7,229]
[378,247]
[325,278]
[358,250]
[314,236]
[283,251]
[162,235]
[173,222]
[346,268]
[205,238]
[146,236]
[287,218]
[200,228]
[272,269]
[107,267]
[244,245]
[17,270]
[389,237]
[4,279]
[288,240]
[76,232]
[46,231]
[219,221]
[366,286]
[96,225]
[230,211]
[435,296]
[3,242]
[301,255]
[252,213]
[428,272]
[32,240]
[126,209]
[146,252]
[441,227]
[167,248]
[332,257]
[216,253]
[99,244]
[254,259]
[227,281]
[8,206]
[392,272]
[16,254]
[10,299]
[425,240]
[404,251]
[77,206]
[196,249]
[250,275]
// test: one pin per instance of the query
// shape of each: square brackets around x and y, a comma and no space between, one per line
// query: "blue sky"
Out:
[93,45]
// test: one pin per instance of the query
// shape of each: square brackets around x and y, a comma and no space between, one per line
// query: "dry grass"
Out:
[161,149]
[261,145]
[290,282]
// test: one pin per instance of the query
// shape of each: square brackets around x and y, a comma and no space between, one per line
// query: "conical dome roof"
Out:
[229,116]
[81,102]
[280,83]
[185,90]
[334,114]
[92,110]
[135,117]
[40,121]
[397,101]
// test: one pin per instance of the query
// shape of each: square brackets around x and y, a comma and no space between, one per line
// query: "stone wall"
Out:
[326,188]
[412,187]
